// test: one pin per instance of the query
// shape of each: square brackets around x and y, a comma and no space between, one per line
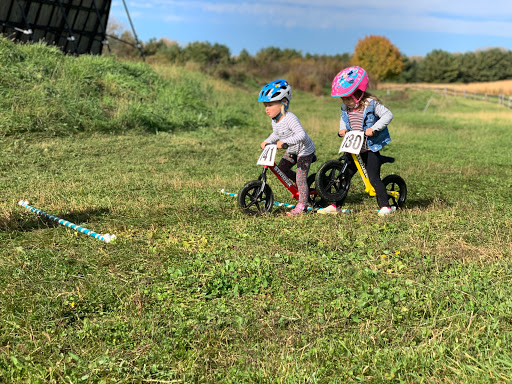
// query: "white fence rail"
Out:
[492,98]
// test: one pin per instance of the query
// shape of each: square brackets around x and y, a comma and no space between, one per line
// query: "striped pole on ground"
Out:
[107,238]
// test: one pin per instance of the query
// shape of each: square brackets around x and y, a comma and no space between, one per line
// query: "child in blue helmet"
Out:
[287,129]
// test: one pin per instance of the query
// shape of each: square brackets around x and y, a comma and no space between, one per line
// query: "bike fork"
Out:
[263,178]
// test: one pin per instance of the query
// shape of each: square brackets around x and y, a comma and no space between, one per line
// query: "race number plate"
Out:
[353,142]
[268,156]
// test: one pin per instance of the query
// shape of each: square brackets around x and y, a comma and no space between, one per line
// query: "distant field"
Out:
[491,88]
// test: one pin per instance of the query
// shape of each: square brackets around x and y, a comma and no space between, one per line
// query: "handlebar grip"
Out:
[283,146]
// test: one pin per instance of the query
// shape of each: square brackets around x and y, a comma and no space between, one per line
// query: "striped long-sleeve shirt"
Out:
[290,131]
[384,117]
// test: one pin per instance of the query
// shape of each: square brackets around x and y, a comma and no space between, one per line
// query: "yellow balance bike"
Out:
[333,177]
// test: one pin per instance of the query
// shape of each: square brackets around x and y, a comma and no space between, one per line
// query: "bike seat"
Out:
[313,159]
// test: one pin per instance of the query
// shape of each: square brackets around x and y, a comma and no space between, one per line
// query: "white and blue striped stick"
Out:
[280,204]
[107,238]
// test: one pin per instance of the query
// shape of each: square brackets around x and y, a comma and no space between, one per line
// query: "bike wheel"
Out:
[396,189]
[315,200]
[252,202]
[331,182]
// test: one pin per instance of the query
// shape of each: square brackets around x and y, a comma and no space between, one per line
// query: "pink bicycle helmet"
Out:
[348,81]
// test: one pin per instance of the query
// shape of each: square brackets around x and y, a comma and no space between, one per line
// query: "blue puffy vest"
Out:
[379,138]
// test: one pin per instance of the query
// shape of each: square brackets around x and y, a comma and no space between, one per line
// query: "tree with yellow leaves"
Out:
[378,56]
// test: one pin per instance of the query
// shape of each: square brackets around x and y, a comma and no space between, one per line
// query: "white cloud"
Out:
[176,19]
[474,8]
[443,16]
[145,5]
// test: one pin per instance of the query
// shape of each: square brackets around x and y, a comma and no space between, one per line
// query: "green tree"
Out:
[493,65]
[244,56]
[467,63]
[378,56]
[121,41]
[272,54]
[154,46]
[207,54]
[439,67]
[125,47]
[410,70]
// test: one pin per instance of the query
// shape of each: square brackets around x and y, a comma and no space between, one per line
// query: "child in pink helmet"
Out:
[364,112]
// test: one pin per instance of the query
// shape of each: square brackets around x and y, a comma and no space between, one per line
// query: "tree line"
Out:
[439,66]
[314,73]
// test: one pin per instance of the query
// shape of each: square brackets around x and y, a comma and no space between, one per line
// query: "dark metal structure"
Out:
[75,26]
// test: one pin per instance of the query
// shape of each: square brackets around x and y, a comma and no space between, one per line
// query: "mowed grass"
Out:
[194,291]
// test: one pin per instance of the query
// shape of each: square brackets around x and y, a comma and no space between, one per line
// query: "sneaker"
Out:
[331,209]
[299,208]
[386,211]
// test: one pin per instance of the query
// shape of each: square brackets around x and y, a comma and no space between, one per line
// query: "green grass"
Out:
[194,291]
[44,91]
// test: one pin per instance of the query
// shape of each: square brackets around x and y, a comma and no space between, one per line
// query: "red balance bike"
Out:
[256,196]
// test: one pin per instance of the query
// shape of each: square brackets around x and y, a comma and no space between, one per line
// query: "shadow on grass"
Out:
[421,203]
[21,222]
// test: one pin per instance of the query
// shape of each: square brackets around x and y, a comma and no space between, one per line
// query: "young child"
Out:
[364,112]
[286,129]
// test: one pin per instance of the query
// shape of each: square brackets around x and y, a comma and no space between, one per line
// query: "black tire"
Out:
[331,182]
[395,183]
[253,203]
[314,199]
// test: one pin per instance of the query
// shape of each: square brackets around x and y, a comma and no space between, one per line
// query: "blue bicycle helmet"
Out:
[275,91]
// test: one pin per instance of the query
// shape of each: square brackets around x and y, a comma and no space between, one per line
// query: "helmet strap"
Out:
[357,100]
[276,118]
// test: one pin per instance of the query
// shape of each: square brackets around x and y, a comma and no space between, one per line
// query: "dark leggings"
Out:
[373,163]
[301,176]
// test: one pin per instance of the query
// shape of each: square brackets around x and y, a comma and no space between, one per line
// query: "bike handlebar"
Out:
[283,146]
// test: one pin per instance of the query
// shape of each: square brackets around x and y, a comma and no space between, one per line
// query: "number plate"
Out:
[268,156]
[353,142]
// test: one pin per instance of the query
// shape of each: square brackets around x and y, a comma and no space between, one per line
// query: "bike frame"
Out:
[285,180]
[368,188]
[358,161]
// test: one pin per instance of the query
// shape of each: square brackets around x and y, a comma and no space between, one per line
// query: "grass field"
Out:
[193,291]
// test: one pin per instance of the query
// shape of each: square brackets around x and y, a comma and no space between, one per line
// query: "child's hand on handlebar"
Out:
[369,132]
[280,145]
[342,132]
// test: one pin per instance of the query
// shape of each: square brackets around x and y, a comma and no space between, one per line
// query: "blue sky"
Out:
[329,27]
